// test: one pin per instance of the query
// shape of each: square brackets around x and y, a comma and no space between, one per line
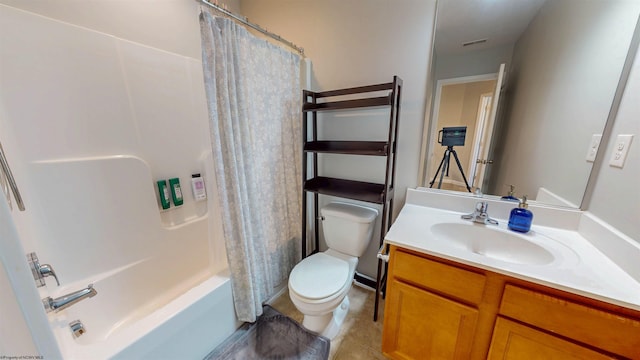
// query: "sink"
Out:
[492,242]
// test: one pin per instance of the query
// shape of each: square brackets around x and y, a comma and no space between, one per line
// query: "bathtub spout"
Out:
[65,301]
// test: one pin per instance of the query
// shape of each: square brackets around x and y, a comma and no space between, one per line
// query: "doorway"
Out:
[461,102]
[469,102]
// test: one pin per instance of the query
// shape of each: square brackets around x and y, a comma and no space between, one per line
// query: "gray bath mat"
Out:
[272,336]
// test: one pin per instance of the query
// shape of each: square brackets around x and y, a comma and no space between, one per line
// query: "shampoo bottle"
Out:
[163,192]
[197,185]
[176,191]
[520,218]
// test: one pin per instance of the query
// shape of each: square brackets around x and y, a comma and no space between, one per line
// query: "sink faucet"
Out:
[479,215]
[65,301]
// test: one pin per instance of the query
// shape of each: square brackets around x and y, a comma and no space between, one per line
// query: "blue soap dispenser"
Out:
[509,196]
[520,218]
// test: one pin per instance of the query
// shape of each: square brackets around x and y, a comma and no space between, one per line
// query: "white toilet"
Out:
[319,284]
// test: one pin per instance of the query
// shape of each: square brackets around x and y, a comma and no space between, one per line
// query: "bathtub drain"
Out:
[77,328]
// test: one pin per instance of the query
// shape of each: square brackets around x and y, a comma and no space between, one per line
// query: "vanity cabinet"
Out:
[430,316]
[440,309]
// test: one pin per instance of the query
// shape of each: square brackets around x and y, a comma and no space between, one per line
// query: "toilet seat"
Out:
[319,276]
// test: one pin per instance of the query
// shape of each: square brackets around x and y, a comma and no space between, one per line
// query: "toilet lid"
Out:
[318,276]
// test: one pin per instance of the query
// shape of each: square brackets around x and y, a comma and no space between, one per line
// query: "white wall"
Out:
[564,86]
[616,197]
[137,21]
[362,42]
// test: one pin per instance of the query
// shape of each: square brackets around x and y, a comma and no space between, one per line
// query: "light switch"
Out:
[593,147]
[620,150]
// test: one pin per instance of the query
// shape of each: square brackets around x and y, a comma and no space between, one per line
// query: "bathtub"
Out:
[163,290]
[122,323]
[160,275]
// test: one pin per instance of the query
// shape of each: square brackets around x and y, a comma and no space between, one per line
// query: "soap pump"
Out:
[520,218]
[509,196]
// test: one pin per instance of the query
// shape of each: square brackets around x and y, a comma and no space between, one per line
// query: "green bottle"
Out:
[176,191]
[163,191]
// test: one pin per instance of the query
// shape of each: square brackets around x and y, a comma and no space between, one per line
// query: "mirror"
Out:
[563,61]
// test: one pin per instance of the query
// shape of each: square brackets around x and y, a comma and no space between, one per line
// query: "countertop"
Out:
[579,268]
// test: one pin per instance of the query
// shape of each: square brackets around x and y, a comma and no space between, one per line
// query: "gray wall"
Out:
[616,197]
[554,106]
[475,63]
[362,42]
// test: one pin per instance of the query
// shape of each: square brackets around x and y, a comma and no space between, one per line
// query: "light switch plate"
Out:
[620,150]
[593,147]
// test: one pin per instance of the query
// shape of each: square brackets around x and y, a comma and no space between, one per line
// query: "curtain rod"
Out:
[257,27]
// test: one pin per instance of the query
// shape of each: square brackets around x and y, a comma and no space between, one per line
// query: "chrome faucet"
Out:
[480,215]
[65,301]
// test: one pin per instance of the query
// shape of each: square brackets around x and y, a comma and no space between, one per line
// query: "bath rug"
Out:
[272,336]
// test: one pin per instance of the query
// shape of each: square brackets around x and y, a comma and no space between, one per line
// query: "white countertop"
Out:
[579,268]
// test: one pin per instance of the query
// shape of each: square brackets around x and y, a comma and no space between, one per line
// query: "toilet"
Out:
[319,284]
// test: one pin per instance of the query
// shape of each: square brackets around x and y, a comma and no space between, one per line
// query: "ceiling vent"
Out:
[475,42]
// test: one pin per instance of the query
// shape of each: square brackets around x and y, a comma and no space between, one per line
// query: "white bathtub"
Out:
[123,322]
[160,275]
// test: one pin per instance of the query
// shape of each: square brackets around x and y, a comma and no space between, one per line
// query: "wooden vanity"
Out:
[440,309]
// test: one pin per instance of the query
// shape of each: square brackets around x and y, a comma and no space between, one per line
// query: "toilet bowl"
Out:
[319,284]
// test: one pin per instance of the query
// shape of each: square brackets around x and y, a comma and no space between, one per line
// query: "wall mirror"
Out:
[532,123]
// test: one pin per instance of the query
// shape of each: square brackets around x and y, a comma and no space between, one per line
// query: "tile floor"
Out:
[359,336]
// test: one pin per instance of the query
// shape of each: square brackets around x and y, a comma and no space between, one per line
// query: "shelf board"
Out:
[347,104]
[353,90]
[348,189]
[375,148]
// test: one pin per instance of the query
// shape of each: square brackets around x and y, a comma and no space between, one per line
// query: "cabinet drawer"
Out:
[605,330]
[453,281]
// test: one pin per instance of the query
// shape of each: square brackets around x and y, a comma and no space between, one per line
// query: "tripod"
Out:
[445,161]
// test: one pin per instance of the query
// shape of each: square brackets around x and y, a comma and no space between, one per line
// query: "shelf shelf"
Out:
[370,96]
[347,104]
[374,148]
[349,189]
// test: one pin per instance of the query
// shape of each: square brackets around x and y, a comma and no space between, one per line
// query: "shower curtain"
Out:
[254,98]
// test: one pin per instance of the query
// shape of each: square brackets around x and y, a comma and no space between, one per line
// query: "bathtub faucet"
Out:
[65,301]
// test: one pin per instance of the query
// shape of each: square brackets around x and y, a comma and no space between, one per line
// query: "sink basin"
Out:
[494,243]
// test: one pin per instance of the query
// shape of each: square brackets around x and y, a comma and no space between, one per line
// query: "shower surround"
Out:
[89,123]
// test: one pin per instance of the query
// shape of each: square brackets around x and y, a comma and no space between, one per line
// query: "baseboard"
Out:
[365,280]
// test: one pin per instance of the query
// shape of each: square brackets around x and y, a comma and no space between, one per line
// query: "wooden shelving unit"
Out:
[383,193]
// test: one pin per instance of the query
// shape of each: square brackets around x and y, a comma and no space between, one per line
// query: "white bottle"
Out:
[197,185]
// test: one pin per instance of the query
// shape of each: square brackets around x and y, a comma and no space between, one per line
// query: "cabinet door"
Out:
[519,342]
[421,325]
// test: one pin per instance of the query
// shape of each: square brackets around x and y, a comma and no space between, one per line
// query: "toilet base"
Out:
[328,325]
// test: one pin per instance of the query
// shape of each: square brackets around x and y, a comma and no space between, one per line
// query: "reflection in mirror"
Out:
[563,62]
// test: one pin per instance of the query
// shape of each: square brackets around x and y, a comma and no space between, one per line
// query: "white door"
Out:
[485,158]
[476,168]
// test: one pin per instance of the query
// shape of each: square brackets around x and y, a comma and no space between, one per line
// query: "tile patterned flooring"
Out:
[359,336]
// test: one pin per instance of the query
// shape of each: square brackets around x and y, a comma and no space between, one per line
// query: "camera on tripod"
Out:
[452,136]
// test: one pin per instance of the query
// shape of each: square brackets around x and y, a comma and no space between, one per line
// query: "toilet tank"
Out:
[348,227]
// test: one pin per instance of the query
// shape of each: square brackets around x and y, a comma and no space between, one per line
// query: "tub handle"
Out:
[40,271]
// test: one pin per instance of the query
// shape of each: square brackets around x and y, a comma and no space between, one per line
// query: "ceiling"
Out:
[501,22]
